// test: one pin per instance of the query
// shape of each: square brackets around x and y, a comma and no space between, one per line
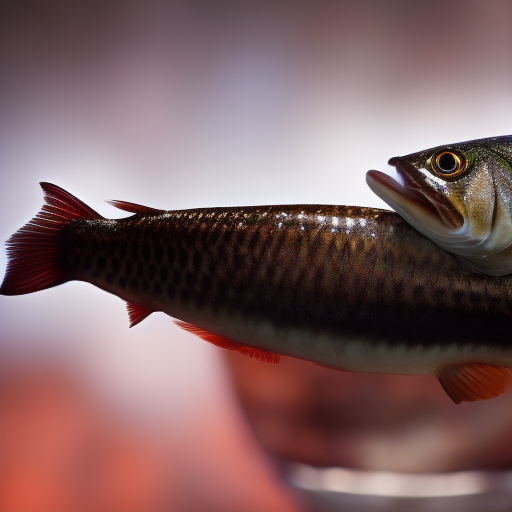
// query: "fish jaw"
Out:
[469,217]
[428,211]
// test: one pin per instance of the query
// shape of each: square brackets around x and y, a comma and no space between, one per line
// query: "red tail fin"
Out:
[33,263]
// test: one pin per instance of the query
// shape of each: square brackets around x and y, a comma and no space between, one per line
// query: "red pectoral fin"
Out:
[474,381]
[137,313]
[260,355]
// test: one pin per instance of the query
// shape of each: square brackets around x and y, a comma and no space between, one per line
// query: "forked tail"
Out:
[32,251]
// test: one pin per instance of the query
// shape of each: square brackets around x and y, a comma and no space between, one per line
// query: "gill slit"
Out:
[495,207]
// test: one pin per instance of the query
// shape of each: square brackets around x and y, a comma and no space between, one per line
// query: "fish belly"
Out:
[317,283]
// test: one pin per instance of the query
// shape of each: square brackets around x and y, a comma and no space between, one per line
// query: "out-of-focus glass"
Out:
[338,435]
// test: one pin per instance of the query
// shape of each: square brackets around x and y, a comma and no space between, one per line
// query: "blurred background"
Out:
[197,103]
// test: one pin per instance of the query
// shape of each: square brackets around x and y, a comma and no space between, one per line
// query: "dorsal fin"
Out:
[258,354]
[135,208]
[137,313]
[473,381]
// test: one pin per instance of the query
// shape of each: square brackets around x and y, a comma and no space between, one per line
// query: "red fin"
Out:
[137,313]
[135,208]
[475,381]
[33,249]
[260,355]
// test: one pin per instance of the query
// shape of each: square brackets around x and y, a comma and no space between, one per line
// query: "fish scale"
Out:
[255,264]
[352,288]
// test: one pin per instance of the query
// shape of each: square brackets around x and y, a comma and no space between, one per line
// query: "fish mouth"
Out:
[414,198]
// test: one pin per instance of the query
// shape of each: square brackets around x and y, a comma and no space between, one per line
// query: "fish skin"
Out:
[468,214]
[352,288]
[257,263]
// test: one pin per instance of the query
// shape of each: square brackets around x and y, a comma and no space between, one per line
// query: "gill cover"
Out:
[460,196]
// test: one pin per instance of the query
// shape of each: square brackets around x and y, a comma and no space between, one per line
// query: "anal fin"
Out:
[137,313]
[219,341]
[473,381]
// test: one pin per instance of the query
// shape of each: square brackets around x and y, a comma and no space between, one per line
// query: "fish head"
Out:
[458,195]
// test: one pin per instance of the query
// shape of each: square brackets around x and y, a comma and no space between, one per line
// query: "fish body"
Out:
[460,196]
[351,288]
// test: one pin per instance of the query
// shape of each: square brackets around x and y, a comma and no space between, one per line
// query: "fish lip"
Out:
[434,203]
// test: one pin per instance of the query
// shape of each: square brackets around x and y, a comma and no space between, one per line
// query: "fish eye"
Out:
[449,164]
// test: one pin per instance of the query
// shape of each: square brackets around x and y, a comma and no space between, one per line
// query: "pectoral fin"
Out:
[473,381]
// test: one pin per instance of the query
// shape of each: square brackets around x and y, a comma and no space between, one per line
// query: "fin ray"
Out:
[473,381]
[219,341]
[33,250]
[134,207]
[137,313]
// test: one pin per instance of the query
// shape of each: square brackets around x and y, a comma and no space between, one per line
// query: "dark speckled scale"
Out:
[338,269]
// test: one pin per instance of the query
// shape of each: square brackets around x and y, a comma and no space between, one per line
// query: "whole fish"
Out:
[460,196]
[351,288]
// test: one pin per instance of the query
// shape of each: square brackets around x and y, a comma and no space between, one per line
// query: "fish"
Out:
[460,196]
[345,287]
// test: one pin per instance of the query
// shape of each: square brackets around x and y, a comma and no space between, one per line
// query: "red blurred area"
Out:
[64,448]
[62,451]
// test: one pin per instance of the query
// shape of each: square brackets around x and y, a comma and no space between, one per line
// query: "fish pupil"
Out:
[447,163]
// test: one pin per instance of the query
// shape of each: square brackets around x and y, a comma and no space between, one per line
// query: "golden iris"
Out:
[449,163]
